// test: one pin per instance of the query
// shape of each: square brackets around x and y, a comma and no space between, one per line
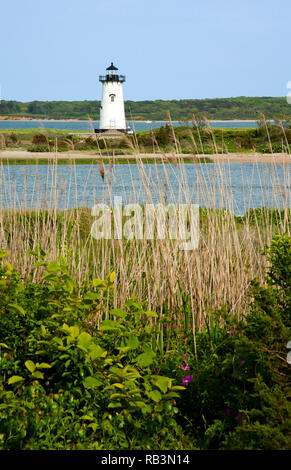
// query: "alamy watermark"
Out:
[147,222]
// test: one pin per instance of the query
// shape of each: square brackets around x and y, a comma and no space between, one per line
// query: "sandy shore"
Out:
[230,157]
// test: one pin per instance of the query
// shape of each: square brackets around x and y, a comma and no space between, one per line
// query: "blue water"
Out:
[235,186]
[86,125]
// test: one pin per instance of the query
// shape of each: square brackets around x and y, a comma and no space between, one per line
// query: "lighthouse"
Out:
[112,115]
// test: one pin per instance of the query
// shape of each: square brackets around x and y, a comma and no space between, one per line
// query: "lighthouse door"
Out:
[112,123]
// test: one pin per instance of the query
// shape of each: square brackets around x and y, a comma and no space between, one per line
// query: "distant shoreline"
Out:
[144,121]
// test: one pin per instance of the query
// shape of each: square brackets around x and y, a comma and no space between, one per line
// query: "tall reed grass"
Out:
[185,286]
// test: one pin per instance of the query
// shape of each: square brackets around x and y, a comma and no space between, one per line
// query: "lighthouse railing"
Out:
[112,78]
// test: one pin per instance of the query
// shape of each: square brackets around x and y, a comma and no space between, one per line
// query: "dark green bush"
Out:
[164,135]
[239,394]
[14,139]
[39,139]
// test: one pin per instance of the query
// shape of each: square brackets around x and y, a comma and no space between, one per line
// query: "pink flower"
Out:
[185,367]
[186,380]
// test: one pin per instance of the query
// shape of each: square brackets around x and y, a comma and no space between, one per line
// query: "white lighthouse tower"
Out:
[112,115]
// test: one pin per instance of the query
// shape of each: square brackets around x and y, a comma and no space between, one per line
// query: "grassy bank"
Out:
[190,141]
[97,160]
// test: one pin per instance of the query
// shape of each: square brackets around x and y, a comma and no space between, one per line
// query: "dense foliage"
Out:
[77,373]
[67,384]
[239,395]
[219,108]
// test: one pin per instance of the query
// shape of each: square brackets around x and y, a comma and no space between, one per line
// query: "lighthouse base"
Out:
[99,131]
[113,131]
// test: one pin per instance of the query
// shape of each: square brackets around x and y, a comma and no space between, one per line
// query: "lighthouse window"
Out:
[112,97]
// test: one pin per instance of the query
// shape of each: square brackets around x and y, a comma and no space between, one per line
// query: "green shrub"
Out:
[66,383]
[39,139]
[14,139]
[163,135]
[237,395]
[38,148]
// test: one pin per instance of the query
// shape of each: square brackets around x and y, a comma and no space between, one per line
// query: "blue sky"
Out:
[56,49]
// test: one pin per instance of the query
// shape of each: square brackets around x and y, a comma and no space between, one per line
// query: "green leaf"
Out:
[132,342]
[155,395]
[134,391]
[116,404]
[118,385]
[87,417]
[99,283]
[117,395]
[43,365]
[92,296]
[9,266]
[14,379]
[145,359]
[72,331]
[53,267]
[84,339]
[17,308]
[124,349]
[109,325]
[69,285]
[141,404]
[30,366]
[48,277]
[111,277]
[118,312]
[172,395]
[148,313]
[43,330]
[162,382]
[38,375]
[96,351]
[127,372]
[92,382]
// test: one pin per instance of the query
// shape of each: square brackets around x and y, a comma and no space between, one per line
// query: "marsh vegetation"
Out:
[137,344]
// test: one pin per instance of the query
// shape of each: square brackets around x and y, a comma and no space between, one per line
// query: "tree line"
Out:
[180,110]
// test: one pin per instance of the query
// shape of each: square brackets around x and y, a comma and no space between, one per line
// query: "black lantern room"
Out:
[112,75]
